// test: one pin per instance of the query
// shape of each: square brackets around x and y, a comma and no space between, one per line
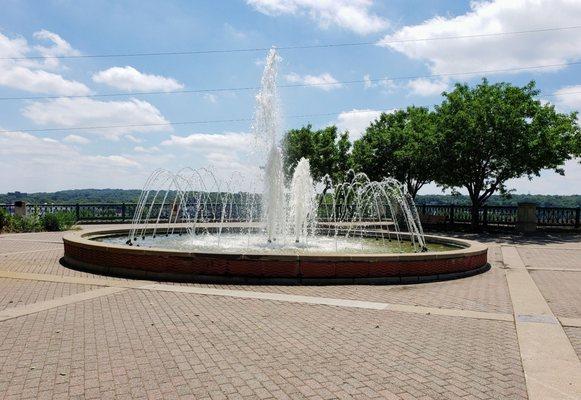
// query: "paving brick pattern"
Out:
[495,255]
[562,290]
[574,335]
[17,292]
[166,345]
[44,262]
[153,344]
[15,246]
[485,292]
[551,258]
[34,236]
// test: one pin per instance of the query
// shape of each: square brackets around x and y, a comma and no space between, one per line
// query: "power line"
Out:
[295,85]
[201,122]
[295,47]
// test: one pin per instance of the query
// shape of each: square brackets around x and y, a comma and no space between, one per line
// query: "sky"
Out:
[36,156]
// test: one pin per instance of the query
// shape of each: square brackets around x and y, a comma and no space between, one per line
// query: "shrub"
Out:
[50,222]
[3,219]
[29,223]
[59,221]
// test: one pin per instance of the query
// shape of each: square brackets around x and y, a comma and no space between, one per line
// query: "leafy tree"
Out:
[327,151]
[399,145]
[491,133]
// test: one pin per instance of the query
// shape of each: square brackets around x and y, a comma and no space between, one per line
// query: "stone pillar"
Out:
[20,208]
[526,220]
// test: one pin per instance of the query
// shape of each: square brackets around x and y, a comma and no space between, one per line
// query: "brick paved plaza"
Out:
[511,333]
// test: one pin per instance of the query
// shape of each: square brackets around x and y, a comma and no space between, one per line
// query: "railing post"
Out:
[485,216]
[20,208]
[526,220]
[78,211]
[577,217]
[123,212]
[451,214]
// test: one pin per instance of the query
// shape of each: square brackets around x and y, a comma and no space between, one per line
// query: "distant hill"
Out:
[539,199]
[84,196]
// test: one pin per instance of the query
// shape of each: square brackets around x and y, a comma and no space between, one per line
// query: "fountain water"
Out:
[287,215]
[302,200]
[266,128]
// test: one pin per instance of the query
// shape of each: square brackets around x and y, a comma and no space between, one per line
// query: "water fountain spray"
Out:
[271,214]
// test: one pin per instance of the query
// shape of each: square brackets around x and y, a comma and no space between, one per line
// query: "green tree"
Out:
[399,145]
[327,151]
[491,133]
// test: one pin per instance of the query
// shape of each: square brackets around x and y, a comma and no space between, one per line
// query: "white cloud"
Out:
[323,81]
[367,83]
[427,87]
[76,139]
[114,160]
[551,183]
[388,86]
[141,149]
[354,15]
[494,52]
[211,141]
[84,112]
[235,33]
[569,98]
[39,81]
[60,47]
[548,183]
[32,75]
[129,79]
[47,164]
[212,98]
[225,153]
[356,121]
[133,139]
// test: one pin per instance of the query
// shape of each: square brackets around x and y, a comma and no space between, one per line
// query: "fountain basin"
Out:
[84,251]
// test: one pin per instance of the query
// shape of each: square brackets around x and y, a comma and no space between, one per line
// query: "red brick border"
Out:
[84,253]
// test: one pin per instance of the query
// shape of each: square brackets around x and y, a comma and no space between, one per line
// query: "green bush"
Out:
[59,221]
[50,222]
[29,223]
[3,219]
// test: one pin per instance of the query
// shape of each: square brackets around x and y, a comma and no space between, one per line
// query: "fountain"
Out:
[191,225]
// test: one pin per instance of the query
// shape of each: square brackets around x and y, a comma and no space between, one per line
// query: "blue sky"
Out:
[122,158]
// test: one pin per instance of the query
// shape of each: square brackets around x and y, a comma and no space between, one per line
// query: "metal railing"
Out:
[498,216]
[445,215]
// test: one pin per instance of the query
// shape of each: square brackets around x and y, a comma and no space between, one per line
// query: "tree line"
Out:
[477,138]
[130,196]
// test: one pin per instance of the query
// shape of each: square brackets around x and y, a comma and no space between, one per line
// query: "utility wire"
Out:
[295,85]
[200,122]
[296,47]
